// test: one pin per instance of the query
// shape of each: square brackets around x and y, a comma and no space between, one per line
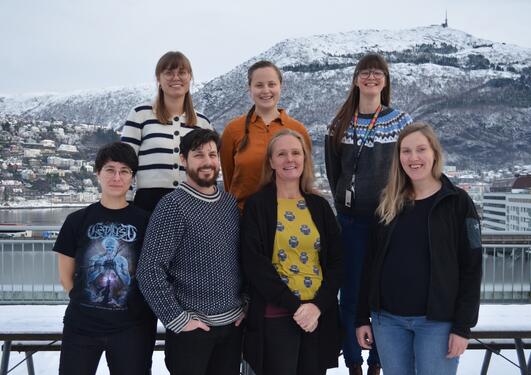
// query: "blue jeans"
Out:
[355,234]
[412,345]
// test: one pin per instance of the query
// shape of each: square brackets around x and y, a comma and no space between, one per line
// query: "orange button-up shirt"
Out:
[242,170]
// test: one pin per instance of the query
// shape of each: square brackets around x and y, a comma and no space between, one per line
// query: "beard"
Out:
[203,182]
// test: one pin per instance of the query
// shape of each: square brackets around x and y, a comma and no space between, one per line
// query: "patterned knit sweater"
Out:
[157,146]
[189,267]
[374,163]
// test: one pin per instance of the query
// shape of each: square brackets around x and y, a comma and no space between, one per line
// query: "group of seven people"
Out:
[254,271]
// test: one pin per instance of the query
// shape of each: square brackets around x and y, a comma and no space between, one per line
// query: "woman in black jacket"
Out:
[291,254]
[423,273]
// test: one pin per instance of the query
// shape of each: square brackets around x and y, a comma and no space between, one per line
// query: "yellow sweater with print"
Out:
[296,249]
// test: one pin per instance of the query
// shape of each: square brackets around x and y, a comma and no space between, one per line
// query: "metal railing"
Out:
[28,273]
[506,273]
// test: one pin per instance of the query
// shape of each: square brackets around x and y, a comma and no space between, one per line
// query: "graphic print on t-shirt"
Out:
[108,265]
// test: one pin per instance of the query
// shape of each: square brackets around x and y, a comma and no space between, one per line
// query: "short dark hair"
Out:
[196,138]
[119,152]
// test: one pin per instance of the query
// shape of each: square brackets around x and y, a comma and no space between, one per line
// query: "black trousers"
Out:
[198,352]
[288,350]
[127,352]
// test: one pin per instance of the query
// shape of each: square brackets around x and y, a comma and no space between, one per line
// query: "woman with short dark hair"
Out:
[98,250]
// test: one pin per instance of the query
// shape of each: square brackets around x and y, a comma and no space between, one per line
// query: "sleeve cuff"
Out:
[177,324]
[461,331]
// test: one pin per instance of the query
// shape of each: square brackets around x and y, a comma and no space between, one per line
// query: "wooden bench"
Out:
[35,328]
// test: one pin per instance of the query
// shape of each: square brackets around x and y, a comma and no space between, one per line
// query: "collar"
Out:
[447,186]
[199,195]
[282,117]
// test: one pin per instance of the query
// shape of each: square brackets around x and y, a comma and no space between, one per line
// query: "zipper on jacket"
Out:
[386,248]
[438,200]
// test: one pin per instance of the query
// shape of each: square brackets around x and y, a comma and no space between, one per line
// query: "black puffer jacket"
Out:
[455,259]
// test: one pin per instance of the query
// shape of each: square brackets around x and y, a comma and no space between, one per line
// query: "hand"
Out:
[307,316]
[364,336]
[239,321]
[456,345]
[195,324]
[313,327]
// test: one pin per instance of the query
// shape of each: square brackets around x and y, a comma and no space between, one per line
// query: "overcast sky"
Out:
[65,45]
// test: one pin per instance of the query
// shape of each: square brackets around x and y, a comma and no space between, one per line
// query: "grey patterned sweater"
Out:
[374,163]
[189,267]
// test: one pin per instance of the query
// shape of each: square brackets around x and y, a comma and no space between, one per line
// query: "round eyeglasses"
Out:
[122,173]
[171,73]
[366,73]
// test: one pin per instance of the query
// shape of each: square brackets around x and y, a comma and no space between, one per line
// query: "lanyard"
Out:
[367,133]
[350,193]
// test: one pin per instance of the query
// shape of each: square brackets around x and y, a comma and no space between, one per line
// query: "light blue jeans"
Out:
[412,345]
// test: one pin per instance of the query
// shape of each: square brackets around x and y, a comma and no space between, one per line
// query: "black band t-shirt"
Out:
[106,245]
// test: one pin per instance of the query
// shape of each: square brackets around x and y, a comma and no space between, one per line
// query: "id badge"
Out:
[348,198]
[350,193]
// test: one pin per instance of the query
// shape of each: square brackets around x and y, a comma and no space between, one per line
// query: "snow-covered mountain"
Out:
[107,106]
[477,93]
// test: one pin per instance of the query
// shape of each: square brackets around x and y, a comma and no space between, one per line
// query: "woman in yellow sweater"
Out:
[244,140]
[291,258]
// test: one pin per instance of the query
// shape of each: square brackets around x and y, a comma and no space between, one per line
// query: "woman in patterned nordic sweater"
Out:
[358,152]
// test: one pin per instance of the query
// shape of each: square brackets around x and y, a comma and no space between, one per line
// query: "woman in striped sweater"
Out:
[155,129]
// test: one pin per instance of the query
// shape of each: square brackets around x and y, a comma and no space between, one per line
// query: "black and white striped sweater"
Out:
[157,146]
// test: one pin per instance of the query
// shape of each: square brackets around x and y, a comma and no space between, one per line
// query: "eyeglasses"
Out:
[171,73]
[366,73]
[122,173]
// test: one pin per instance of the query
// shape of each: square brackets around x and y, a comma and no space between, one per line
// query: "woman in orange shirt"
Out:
[244,140]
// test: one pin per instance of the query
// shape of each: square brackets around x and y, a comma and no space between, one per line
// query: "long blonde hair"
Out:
[307,178]
[399,191]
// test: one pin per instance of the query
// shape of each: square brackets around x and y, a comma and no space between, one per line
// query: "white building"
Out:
[67,148]
[31,153]
[60,162]
[507,207]
[48,143]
